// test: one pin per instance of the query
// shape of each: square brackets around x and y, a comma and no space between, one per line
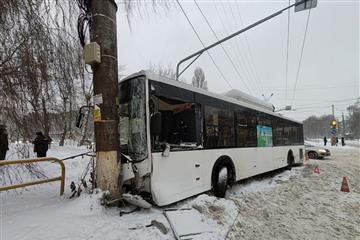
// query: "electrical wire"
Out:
[316,88]
[249,49]
[236,50]
[246,57]
[340,101]
[287,55]
[243,40]
[226,53]
[202,43]
[301,57]
[312,101]
[84,19]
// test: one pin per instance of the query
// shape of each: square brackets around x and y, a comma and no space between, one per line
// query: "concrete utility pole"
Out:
[343,124]
[103,32]
[333,112]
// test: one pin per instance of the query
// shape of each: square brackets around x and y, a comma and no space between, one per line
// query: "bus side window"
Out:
[211,122]
[242,130]
[219,127]
[278,134]
[245,129]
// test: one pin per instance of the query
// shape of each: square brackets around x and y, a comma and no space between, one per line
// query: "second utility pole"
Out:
[105,79]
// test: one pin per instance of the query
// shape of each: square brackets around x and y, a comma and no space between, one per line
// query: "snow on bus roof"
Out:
[252,103]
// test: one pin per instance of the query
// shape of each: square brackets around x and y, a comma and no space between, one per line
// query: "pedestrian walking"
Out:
[325,141]
[49,139]
[342,141]
[41,144]
[4,144]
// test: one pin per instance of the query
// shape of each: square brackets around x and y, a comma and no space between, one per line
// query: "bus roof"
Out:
[249,103]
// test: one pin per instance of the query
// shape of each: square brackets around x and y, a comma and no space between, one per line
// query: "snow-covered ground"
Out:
[320,142]
[296,204]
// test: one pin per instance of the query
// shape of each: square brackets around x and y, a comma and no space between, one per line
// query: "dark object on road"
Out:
[344,185]
[153,223]
[342,141]
[41,144]
[316,152]
[4,144]
[325,141]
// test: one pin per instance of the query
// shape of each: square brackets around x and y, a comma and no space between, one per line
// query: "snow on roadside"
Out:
[40,213]
[264,183]
[218,213]
[320,143]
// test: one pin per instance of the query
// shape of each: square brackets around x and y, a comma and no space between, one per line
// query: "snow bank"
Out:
[263,184]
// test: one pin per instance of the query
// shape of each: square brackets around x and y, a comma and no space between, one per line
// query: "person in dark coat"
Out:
[325,141]
[41,144]
[4,144]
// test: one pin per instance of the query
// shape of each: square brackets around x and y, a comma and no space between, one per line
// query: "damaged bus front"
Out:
[154,118]
[133,129]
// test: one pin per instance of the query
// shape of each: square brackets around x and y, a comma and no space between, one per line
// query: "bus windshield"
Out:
[132,122]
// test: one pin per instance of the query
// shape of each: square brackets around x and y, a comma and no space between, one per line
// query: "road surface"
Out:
[308,205]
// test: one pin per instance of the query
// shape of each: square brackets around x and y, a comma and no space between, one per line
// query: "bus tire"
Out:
[290,161]
[221,183]
[219,187]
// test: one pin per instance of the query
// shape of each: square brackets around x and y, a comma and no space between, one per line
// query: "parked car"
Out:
[315,152]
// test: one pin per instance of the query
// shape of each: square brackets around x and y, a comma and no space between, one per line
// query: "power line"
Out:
[319,107]
[236,51]
[252,65]
[240,62]
[287,55]
[316,100]
[316,88]
[193,28]
[242,56]
[328,101]
[199,52]
[226,53]
[301,56]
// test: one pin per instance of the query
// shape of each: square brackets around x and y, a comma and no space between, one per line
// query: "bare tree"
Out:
[315,127]
[38,64]
[42,74]
[353,121]
[165,71]
[198,79]
[144,8]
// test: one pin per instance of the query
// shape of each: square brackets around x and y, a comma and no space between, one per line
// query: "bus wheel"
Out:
[220,185]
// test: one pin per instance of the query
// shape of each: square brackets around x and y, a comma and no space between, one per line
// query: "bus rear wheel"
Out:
[221,183]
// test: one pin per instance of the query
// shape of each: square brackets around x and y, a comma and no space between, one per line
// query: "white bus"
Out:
[178,141]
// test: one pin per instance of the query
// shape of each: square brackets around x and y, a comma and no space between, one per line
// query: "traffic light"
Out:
[333,123]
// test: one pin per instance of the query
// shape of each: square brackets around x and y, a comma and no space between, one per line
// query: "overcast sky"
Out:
[329,72]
